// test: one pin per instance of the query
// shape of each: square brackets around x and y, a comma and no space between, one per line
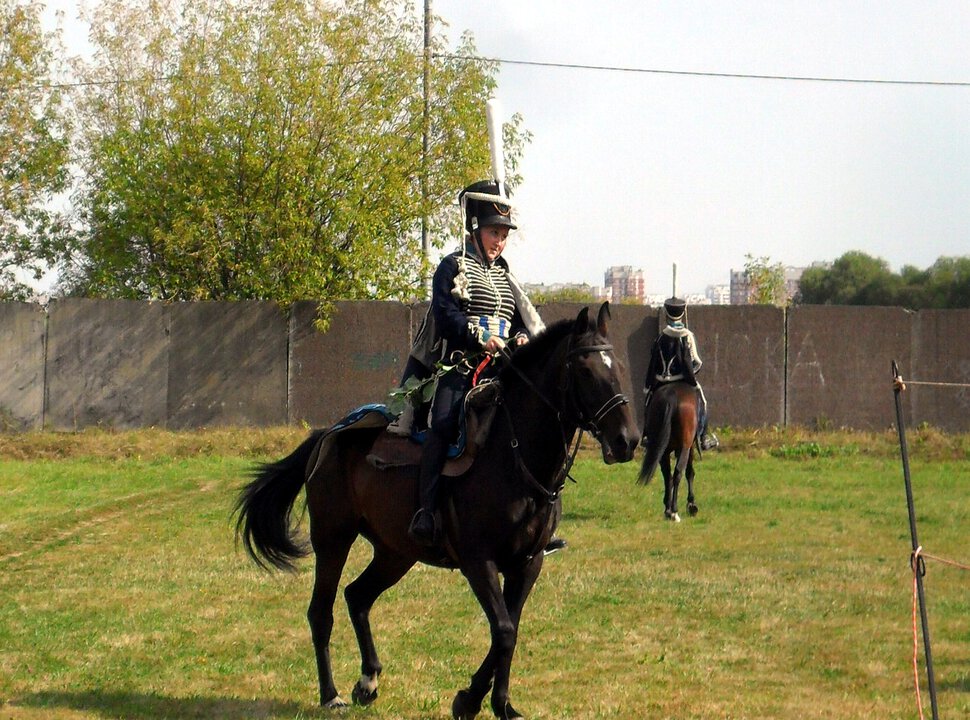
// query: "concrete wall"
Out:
[940,355]
[107,363]
[839,364]
[357,361]
[227,364]
[23,336]
[127,364]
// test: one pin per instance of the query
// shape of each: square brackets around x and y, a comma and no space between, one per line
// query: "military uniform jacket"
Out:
[458,295]
[673,357]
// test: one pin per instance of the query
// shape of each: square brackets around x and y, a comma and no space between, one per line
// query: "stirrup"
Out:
[554,545]
[419,531]
[709,441]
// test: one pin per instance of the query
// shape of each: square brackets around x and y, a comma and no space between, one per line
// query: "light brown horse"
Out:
[497,517]
[669,428]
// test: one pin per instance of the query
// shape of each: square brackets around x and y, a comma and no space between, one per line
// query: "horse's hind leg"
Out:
[679,469]
[691,505]
[330,557]
[670,499]
[384,570]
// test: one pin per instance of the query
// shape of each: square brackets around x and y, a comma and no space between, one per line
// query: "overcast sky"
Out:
[654,168]
[649,169]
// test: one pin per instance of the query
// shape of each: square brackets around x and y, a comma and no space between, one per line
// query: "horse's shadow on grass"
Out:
[149,706]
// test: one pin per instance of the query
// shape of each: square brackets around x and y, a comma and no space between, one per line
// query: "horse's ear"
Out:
[582,322]
[603,321]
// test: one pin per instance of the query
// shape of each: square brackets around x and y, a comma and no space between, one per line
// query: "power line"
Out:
[696,73]
[560,65]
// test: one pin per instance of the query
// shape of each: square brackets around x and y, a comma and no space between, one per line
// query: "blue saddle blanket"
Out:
[377,415]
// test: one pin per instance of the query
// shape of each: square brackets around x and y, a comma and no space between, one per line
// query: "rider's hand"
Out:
[520,340]
[494,345]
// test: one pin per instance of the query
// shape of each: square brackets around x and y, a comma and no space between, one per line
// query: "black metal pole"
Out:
[919,567]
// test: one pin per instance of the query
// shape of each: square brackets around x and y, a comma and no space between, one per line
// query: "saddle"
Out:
[478,412]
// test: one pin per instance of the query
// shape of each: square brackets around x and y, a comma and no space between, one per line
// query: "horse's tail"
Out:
[659,435]
[265,505]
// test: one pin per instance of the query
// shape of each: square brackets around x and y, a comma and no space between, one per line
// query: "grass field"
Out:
[122,594]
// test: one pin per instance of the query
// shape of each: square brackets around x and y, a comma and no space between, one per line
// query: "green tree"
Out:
[948,283]
[583,294]
[272,149]
[859,279]
[767,281]
[33,148]
[852,280]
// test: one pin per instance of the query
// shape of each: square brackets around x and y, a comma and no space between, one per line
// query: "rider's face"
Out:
[493,240]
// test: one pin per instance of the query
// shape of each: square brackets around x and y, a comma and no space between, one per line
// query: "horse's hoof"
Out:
[335,703]
[691,509]
[673,517]
[464,706]
[511,713]
[363,696]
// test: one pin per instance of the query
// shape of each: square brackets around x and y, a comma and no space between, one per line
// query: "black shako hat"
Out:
[484,204]
[675,307]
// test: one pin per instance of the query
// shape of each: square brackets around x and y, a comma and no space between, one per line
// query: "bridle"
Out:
[591,424]
[584,423]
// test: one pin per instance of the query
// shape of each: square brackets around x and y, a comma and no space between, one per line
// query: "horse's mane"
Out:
[542,345]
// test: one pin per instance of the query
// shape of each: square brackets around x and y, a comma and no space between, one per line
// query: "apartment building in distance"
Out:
[625,283]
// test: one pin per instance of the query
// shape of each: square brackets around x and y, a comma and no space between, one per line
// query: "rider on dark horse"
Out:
[673,358]
[477,308]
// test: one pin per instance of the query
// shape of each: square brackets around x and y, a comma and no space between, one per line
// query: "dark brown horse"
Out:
[497,516]
[669,428]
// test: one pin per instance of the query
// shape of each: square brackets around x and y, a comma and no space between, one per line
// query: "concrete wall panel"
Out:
[357,361]
[107,364]
[941,354]
[23,333]
[839,364]
[228,364]
[743,351]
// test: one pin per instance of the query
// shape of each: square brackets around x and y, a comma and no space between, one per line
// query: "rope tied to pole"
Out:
[917,562]
[899,385]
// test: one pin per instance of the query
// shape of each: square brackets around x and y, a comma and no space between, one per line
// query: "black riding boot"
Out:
[706,440]
[424,526]
[647,393]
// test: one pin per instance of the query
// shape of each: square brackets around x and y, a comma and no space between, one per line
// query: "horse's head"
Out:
[592,387]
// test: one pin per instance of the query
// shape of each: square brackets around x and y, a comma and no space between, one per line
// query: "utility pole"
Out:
[425,126]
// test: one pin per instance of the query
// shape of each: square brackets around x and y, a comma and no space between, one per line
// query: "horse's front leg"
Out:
[503,620]
[518,587]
